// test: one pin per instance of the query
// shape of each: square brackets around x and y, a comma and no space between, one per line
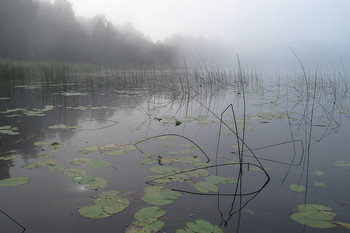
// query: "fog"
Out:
[262,32]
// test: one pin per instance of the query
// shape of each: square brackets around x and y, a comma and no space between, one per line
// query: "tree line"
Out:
[41,30]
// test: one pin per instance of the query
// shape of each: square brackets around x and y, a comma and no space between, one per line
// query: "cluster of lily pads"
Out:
[82,108]
[63,126]
[316,216]
[26,112]
[109,149]
[200,119]
[200,225]
[9,130]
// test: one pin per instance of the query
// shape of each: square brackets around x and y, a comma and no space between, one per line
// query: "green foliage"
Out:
[297,187]
[72,172]
[205,187]
[312,215]
[342,163]
[14,181]
[90,182]
[56,167]
[201,226]
[158,195]
[147,220]
[318,173]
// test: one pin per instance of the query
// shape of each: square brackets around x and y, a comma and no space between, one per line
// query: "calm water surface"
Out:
[287,139]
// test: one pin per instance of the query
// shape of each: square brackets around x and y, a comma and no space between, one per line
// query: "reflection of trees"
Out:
[5,168]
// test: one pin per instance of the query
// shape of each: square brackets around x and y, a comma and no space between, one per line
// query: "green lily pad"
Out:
[93,211]
[197,173]
[47,162]
[112,202]
[90,182]
[163,169]
[148,161]
[31,166]
[216,179]
[205,187]
[343,224]
[297,187]
[47,156]
[161,179]
[5,127]
[188,151]
[117,152]
[200,225]
[56,167]
[167,160]
[40,143]
[190,160]
[173,153]
[73,172]
[319,184]
[93,148]
[14,181]
[158,195]
[342,163]
[313,215]
[318,173]
[202,165]
[8,157]
[56,145]
[317,220]
[153,212]
[98,163]
[80,161]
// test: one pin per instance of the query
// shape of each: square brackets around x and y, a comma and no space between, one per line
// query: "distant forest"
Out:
[41,30]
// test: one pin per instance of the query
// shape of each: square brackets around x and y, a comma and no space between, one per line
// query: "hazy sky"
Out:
[256,25]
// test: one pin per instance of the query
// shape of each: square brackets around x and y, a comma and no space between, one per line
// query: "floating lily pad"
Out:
[173,153]
[92,148]
[343,224]
[153,212]
[317,220]
[158,195]
[164,179]
[319,184]
[80,161]
[47,156]
[297,187]
[342,163]
[93,211]
[312,215]
[163,170]
[197,172]
[14,181]
[5,127]
[56,145]
[167,160]
[112,202]
[73,172]
[40,143]
[98,163]
[216,179]
[8,157]
[205,187]
[47,162]
[148,161]
[90,182]
[56,167]
[190,160]
[147,220]
[188,151]
[318,173]
[202,165]
[117,152]
[31,166]
[200,225]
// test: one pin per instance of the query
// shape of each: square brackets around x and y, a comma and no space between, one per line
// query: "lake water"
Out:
[167,147]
